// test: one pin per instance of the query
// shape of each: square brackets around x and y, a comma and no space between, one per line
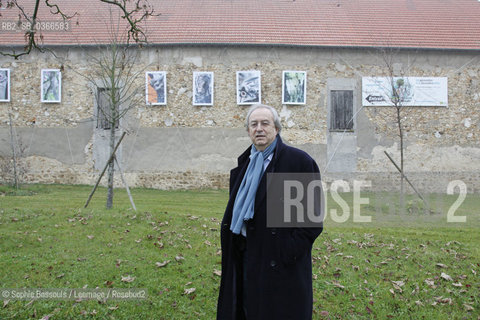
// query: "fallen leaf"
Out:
[179,258]
[443,300]
[5,302]
[398,283]
[419,303]
[128,278]
[207,243]
[446,276]
[217,272]
[467,307]
[457,284]
[441,265]
[416,290]
[61,275]
[337,284]
[324,313]
[430,282]
[189,290]
[162,264]
[90,237]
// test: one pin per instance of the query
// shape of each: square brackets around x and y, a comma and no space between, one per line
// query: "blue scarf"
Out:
[245,200]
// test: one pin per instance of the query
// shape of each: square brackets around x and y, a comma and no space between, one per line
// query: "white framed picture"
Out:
[294,87]
[203,88]
[51,85]
[4,85]
[248,87]
[156,87]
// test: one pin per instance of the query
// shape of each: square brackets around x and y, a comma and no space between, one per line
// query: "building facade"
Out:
[182,145]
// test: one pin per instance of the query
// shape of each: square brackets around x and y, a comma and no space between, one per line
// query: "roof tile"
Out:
[441,24]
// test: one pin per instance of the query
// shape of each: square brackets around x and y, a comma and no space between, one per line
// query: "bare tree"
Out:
[12,168]
[399,93]
[134,12]
[116,83]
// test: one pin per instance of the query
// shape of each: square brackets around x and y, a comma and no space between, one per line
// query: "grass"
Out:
[379,270]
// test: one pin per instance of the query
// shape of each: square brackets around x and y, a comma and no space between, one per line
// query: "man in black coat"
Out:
[266,272]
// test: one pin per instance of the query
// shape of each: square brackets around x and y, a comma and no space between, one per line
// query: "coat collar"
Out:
[243,160]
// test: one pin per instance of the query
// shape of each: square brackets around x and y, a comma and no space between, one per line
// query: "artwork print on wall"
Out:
[156,87]
[4,85]
[248,87]
[294,87]
[51,86]
[203,88]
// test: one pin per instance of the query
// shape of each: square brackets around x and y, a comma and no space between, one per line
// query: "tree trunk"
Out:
[402,183]
[14,153]
[111,167]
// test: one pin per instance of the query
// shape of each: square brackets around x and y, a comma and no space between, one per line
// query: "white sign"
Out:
[405,91]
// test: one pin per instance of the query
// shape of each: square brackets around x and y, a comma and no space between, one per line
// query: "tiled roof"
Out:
[440,24]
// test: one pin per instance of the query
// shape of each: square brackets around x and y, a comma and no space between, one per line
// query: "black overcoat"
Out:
[279,263]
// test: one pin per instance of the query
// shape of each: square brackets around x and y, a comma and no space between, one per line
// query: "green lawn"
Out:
[397,268]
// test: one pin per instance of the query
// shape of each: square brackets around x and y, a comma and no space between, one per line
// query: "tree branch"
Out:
[134,14]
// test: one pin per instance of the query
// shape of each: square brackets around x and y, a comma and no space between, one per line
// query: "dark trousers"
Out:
[240,243]
[245,282]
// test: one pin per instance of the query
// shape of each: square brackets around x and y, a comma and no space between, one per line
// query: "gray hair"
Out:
[276,118]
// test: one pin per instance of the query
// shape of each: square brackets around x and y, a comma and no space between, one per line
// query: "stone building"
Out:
[182,145]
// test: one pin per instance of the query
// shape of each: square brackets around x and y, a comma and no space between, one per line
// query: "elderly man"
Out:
[266,272]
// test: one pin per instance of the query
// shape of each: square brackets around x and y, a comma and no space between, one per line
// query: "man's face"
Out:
[261,128]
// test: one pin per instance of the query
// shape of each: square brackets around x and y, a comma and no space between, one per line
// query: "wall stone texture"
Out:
[184,146]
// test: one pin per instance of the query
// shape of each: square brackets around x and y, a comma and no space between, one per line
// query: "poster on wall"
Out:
[51,90]
[203,88]
[294,87]
[405,91]
[248,87]
[156,87]
[4,85]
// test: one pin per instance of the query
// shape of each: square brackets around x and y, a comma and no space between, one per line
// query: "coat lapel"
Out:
[263,187]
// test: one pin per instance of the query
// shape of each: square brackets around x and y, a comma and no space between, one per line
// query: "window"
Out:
[341,113]
[104,112]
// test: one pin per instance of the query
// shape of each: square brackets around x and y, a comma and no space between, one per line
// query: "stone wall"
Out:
[184,146]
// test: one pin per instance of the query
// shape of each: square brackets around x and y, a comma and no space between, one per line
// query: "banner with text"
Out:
[405,91]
